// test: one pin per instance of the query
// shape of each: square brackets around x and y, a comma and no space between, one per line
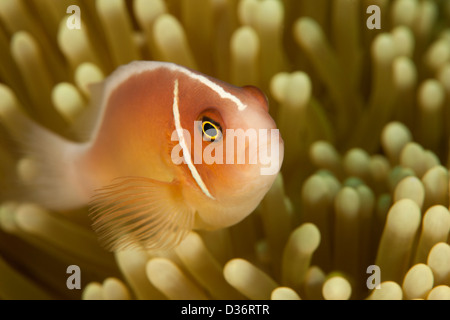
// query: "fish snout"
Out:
[259,96]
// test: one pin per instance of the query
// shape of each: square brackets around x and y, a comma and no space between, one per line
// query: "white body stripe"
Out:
[186,152]
[124,72]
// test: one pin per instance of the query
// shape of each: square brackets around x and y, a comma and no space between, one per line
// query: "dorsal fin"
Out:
[87,121]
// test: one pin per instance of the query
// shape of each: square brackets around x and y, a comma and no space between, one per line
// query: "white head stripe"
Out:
[213,86]
[186,153]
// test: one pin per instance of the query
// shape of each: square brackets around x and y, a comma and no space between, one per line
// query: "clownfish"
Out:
[142,169]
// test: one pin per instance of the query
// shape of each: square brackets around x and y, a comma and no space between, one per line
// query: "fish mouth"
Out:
[269,153]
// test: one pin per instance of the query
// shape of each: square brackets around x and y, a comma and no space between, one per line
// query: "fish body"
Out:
[143,169]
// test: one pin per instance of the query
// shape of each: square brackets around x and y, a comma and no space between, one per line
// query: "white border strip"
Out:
[186,153]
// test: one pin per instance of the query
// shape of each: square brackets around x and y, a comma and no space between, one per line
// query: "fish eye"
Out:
[211,130]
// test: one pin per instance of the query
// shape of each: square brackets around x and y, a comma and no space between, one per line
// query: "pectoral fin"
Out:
[140,211]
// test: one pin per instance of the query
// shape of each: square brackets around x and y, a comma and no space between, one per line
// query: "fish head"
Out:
[234,149]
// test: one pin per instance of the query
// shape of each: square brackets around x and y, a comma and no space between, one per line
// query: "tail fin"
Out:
[47,175]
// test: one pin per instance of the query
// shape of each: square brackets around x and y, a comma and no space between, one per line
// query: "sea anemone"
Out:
[365,115]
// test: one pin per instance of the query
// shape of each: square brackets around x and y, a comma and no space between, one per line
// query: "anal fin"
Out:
[136,211]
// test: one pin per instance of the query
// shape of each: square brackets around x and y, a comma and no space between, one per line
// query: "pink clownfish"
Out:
[145,118]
